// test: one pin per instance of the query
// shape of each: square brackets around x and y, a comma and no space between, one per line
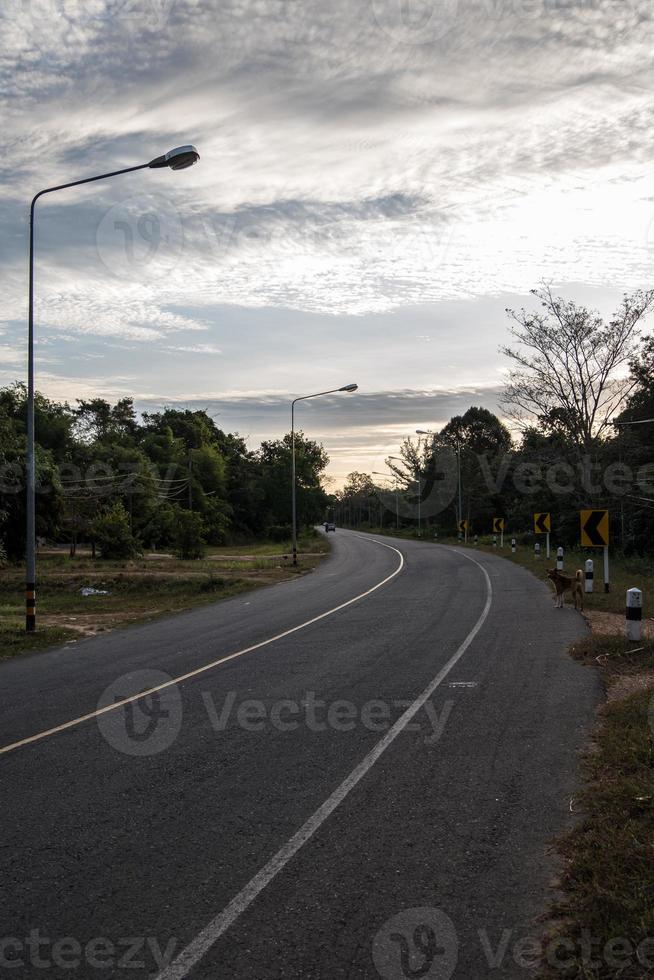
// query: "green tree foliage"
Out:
[275,476]
[99,465]
[112,533]
[189,539]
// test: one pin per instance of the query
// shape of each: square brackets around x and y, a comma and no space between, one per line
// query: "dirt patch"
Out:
[613,624]
[625,685]
[93,623]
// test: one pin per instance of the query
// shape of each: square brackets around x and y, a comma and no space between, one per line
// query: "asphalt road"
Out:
[369,795]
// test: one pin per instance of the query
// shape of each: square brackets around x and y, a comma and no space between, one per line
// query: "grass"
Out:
[606,887]
[138,590]
[267,549]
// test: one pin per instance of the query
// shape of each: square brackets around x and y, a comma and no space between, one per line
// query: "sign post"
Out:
[498,528]
[595,534]
[543,525]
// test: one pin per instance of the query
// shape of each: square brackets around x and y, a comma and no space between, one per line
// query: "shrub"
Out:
[113,535]
[279,532]
[189,537]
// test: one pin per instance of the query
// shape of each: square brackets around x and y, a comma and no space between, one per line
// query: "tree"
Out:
[98,421]
[568,370]
[275,467]
[112,533]
[633,444]
[189,537]
[360,497]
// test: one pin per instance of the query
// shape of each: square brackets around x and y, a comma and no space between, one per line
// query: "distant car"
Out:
[330,526]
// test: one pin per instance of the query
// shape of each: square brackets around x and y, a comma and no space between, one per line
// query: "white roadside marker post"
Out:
[537,550]
[607,587]
[548,544]
[634,613]
[476,540]
[559,559]
[495,541]
[589,575]
[513,545]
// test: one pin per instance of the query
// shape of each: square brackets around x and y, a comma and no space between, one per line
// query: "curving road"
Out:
[369,792]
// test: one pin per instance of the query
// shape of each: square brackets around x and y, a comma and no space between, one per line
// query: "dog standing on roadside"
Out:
[564,583]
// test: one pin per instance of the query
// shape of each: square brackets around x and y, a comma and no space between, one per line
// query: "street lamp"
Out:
[178,159]
[303,398]
[429,432]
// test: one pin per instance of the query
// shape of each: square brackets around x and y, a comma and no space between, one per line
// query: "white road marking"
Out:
[198,947]
[201,670]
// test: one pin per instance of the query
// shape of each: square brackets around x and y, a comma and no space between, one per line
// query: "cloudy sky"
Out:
[378,180]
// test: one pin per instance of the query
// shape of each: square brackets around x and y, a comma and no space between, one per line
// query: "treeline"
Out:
[168,480]
[580,392]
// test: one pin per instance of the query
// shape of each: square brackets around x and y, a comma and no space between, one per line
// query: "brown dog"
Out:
[563,584]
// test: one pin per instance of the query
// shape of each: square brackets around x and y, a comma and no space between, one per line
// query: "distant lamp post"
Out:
[303,398]
[178,159]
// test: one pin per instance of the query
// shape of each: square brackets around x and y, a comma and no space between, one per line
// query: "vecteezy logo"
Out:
[420,944]
[415,21]
[140,238]
[139,715]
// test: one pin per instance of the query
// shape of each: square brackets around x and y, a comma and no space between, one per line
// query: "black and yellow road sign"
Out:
[463,526]
[594,528]
[542,523]
[498,525]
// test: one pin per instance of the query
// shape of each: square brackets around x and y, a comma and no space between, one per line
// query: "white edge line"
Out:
[201,670]
[198,947]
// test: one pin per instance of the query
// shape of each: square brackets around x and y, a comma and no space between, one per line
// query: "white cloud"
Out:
[358,161]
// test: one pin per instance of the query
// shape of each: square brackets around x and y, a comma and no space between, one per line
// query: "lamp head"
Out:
[178,159]
[348,388]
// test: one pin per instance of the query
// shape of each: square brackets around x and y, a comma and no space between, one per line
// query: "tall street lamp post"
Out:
[303,398]
[178,159]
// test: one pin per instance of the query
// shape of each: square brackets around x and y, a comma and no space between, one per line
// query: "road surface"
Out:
[358,777]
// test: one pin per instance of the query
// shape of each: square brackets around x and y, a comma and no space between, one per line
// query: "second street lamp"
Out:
[178,159]
[302,398]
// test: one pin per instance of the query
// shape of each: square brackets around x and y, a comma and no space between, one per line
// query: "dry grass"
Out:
[606,885]
[138,590]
